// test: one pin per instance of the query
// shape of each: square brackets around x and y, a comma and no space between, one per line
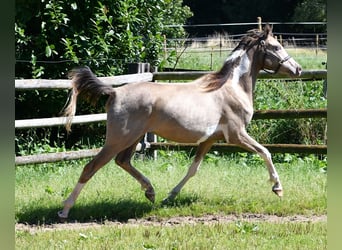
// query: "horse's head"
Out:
[274,57]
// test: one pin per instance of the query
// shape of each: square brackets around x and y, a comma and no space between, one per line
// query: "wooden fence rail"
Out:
[219,147]
[191,75]
[226,147]
[58,121]
[33,84]
[83,119]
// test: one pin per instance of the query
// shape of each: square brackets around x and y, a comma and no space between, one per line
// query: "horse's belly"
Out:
[183,134]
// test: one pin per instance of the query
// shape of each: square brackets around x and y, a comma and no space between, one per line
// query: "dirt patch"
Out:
[186,220]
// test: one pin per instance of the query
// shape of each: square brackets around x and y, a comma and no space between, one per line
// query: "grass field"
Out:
[206,59]
[224,185]
[306,236]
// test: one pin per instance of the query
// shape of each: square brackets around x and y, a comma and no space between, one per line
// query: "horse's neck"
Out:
[245,73]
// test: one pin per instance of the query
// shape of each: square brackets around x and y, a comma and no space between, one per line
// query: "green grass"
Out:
[235,184]
[222,185]
[244,235]
[213,60]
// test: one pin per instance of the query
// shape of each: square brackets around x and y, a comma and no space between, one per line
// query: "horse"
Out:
[216,106]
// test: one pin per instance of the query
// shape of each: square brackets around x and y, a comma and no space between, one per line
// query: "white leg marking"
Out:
[68,203]
[266,155]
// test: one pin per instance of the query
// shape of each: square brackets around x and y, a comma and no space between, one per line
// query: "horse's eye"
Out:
[277,48]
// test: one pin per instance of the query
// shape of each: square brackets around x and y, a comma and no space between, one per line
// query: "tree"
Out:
[311,11]
[232,11]
[52,36]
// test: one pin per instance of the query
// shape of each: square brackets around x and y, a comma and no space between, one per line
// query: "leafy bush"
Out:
[277,94]
[53,36]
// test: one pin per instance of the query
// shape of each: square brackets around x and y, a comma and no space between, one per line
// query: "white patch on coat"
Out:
[241,69]
[235,54]
[210,130]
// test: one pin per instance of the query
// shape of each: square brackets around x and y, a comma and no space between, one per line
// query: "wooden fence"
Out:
[33,84]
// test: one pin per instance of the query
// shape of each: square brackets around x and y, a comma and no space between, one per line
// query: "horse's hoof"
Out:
[278,192]
[170,199]
[150,195]
[61,217]
[166,201]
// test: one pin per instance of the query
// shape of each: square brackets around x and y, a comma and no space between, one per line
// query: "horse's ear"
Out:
[268,30]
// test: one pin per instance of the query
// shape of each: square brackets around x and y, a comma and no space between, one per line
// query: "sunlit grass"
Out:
[238,235]
[233,184]
[213,59]
[222,185]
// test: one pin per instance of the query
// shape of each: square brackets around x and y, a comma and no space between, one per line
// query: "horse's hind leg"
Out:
[103,157]
[123,159]
[202,149]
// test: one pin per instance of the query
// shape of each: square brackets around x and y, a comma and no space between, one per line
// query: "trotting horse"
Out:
[216,106]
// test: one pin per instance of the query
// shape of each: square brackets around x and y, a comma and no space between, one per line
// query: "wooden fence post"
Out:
[134,68]
[259,23]
[317,43]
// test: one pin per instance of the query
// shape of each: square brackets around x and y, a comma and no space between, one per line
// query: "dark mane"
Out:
[251,38]
[217,79]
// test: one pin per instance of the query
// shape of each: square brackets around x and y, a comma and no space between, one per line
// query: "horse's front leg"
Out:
[249,143]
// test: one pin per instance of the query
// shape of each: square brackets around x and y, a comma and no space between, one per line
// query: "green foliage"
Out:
[32,143]
[276,94]
[230,11]
[310,11]
[53,36]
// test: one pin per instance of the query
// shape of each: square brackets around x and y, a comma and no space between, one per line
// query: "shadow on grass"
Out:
[115,210]
[120,210]
[182,200]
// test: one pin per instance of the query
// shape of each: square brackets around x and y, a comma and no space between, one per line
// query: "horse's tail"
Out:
[86,85]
